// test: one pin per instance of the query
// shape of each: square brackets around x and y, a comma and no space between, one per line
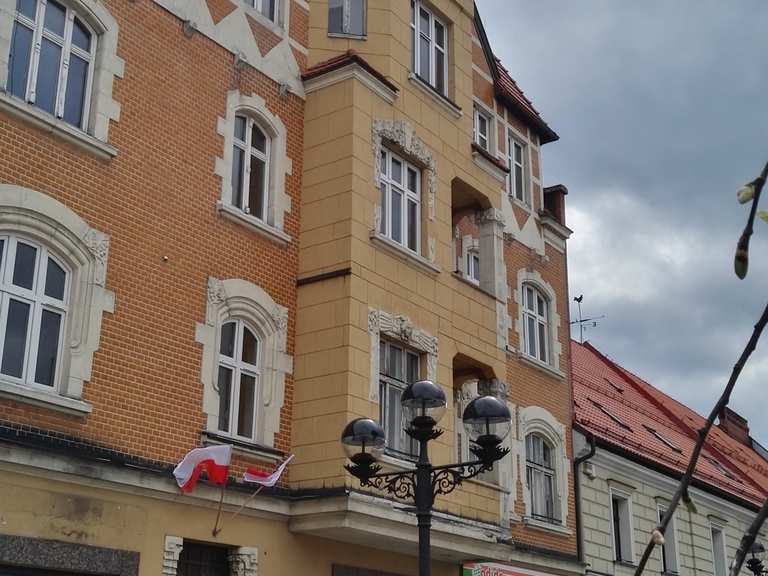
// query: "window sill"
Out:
[541,366]
[55,126]
[243,448]
[476,285]
[397,463]
[403,253]
[548,526]
[347,36]
[520,204]
[625,563]
[253,224]
[447,104]
[486,162]
[45,399]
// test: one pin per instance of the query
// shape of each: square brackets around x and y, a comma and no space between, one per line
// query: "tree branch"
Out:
[748,539]
[685,481]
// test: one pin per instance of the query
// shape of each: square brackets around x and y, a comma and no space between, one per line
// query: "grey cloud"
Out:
[662,111]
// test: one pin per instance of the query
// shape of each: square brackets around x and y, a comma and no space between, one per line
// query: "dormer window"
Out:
[51,60]
[664,440]
[611,415]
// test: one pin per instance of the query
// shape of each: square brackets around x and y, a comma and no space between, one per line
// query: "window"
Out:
[473,266]
[516,179]
[398,367]
[621,525]
[238,380]
[400,201]
[669,548]
[540,477]
[471,389]
[267,8]
[244,365]
[250,167]
[430,58]
[663,439]
[51,59]
[610,414]
[33,309]
[535,324]
[347,17]
[198,559]
[482,129]
[718,551]
[722,469]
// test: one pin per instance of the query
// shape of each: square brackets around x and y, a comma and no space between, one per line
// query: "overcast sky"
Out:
[662,111]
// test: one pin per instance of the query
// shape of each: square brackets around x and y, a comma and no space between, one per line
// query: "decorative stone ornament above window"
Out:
[397,329]
[236,299]
[272,217]
[78,45]
[83,251]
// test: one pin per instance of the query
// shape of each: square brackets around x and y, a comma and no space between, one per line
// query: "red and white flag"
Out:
[213,459]
[259,477]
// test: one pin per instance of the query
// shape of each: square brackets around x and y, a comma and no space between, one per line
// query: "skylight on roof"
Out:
[613,417]
[664,440]
[615,386]
[721,468]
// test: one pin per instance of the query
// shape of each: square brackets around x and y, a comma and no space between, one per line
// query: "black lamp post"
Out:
[755,564]
[487,421]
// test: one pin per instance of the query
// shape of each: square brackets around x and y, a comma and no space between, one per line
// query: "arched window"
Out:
[250,167]
[33,310]
[540,477]
[238,380]
[535,324]
[52,59]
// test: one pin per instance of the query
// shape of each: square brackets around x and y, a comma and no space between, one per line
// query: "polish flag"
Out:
[259,477]
[213,459]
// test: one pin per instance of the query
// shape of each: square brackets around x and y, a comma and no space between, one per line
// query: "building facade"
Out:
[641,442]
[247,222]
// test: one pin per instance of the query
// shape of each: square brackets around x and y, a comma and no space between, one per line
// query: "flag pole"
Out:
[216,527]
[251,497]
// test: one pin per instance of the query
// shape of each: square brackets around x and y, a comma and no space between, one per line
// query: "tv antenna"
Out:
[584,322]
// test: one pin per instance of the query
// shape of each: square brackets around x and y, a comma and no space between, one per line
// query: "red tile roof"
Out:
[348,57]
[605,393]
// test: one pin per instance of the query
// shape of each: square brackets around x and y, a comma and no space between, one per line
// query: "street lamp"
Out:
[487,422]
[755,564]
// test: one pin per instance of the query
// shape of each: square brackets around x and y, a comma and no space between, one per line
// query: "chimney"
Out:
[554,202]
[734,425]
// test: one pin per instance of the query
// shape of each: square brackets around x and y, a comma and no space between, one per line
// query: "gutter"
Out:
[577,495]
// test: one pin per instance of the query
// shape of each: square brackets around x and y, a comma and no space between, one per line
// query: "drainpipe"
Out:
[577,495]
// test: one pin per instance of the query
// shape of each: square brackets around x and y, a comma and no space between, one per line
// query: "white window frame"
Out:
[668,552]
[626,531]
[417,33]
[473,265]
[239,367]
[718,568]
[67,50]
[346,20]
[258,5]
[550,473]
[38,302]
[232,299]
[523,196]
[539,320]
[387,186]
[484,141]
[399,444]
[249,152]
